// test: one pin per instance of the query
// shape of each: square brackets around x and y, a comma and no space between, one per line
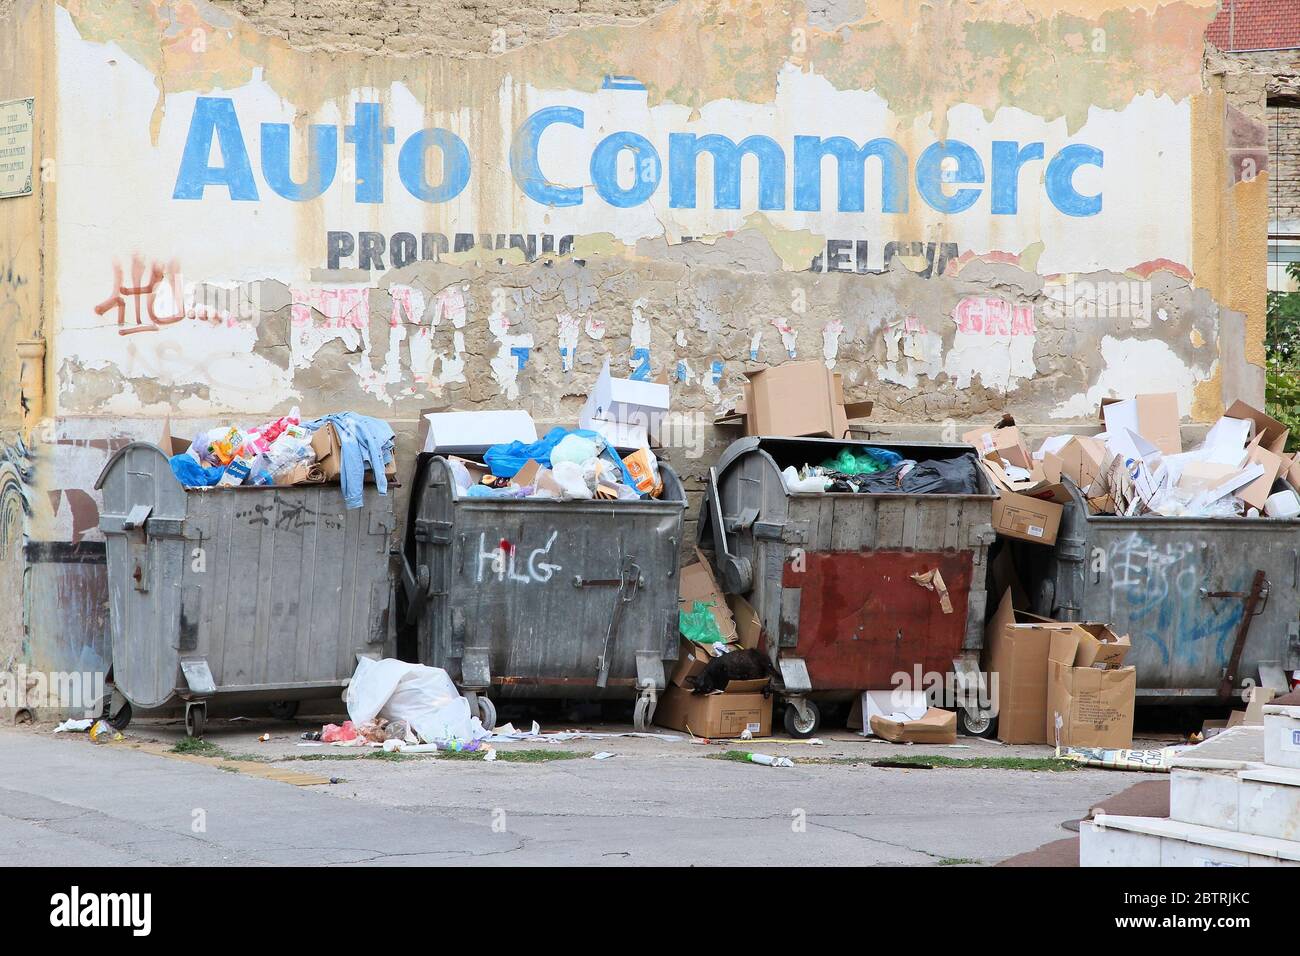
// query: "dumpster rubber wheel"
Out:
[802,729]
[976,723]
[283,709]
[118,719]
[487,712]
[643,713]
[196,718]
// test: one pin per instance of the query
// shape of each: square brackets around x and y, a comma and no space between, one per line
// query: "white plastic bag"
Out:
[568,476]
[425,697]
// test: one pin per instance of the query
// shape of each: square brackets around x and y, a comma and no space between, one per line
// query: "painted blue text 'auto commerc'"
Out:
[941,166]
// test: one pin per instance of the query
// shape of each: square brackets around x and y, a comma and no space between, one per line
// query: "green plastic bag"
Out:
[868,461]
[699,625]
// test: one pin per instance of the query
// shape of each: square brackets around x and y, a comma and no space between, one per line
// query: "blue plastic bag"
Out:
[505,460]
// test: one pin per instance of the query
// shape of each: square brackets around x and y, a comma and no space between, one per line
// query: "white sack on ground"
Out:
[426,697]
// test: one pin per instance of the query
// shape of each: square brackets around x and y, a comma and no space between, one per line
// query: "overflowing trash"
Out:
[342,447]
[568,464]
[1137,466]
[868,470]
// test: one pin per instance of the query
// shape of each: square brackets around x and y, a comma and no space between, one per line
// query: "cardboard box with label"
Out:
[741,706]
[1029,510]
[795,400]
[1089,705]
[627,412]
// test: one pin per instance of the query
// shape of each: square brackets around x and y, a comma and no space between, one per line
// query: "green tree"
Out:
[1282,348]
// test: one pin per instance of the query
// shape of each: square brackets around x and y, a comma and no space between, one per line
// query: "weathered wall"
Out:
[24,39]
[1061,203]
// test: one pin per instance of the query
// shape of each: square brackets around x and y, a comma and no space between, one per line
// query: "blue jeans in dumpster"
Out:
[362,441]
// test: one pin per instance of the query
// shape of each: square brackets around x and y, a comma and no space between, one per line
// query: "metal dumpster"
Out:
[1181,588]
[830,574]
[535,597]
[246,594]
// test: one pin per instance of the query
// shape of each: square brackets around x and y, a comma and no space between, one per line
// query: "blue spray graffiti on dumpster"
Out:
[1156,595]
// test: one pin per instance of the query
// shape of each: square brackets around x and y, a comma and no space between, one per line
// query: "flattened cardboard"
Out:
[1271,432]
[936,727]
[697,583]
[749,628]
[1154,416]
[742,706]
[1257,492]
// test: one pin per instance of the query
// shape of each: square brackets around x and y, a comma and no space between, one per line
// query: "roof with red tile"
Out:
[1256,25]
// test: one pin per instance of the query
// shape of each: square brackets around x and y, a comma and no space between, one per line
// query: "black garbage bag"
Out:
[943,476]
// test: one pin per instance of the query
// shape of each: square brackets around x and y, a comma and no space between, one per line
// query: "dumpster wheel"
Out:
[802,727]
[643,714]
[487,712]
[119,718]
[283,709]
[972,722]
[196,718]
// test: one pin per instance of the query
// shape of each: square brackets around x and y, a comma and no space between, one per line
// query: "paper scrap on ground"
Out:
[508,732]
[1151,761]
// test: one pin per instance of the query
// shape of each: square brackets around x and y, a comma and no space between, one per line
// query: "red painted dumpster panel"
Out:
[863,619]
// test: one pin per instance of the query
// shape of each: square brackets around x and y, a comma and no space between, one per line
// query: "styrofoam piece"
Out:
[1187,844]
[1284,504]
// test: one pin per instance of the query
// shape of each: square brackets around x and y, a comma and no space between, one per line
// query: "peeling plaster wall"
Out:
[208,304]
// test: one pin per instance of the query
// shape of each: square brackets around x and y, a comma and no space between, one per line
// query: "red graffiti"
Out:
[143,296]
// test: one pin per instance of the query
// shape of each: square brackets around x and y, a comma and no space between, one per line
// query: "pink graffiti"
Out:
[344,307]
[993,316]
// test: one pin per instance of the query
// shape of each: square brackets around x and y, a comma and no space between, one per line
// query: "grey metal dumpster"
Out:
[532,597]
[257,594]
[1181,588]
[831,574]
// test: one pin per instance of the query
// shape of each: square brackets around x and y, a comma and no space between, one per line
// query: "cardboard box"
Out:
[936,727]
[696,583]
[1155,417]
[1016,644]
[795,400]
[1081,459]
[461,430]
[1027,518]
[1001,442]
[692,658]
[1099,646]
[1087,706]
[171,445]
[627,412]
[1271,432]
[741,706]
[329,454]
